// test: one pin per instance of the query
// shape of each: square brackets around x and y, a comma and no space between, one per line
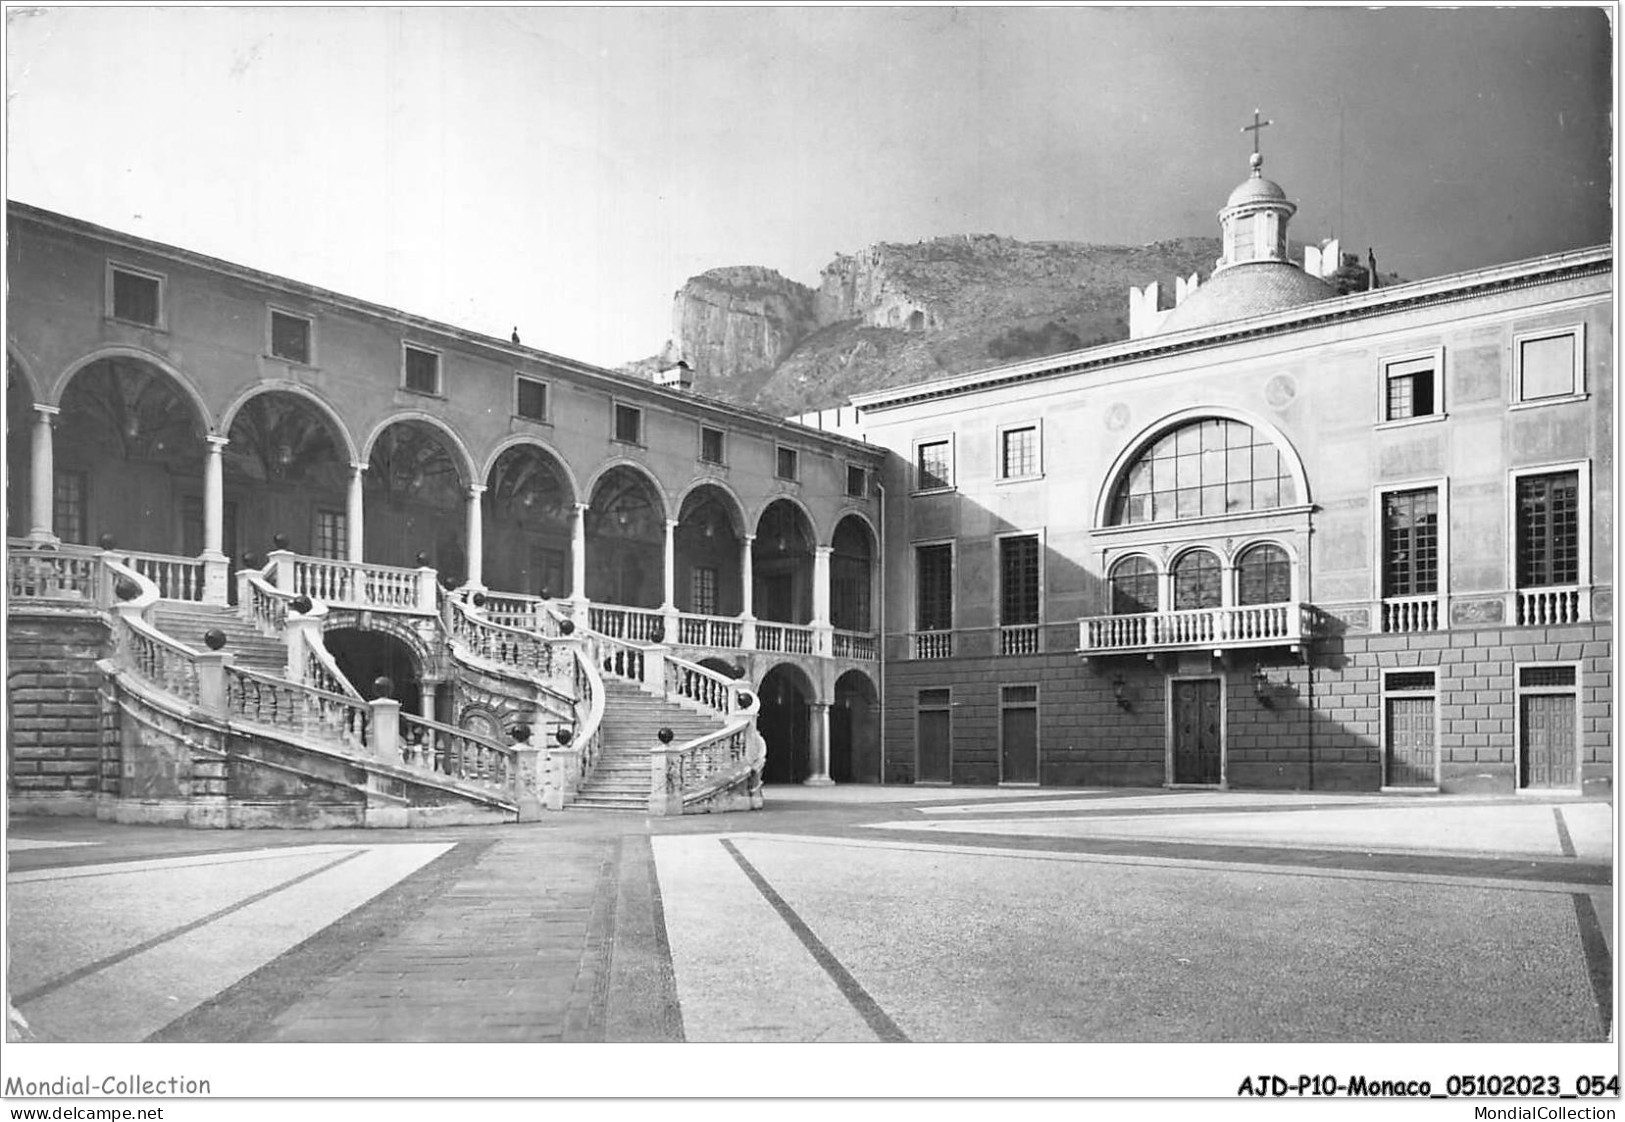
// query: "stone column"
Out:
[215,562]
[669,574]
[476,538]
[823,633]
[818,747]
[578,561]
[747,575]
[355,513]
[43,499]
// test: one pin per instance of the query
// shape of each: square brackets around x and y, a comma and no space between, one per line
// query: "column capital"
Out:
[216,443]
[475,490]
[673,523]
[748,539]
[581,508]
[359,466]
[823,550]
[46,412]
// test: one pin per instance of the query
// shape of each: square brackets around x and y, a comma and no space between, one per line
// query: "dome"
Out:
[1253,288]
[1256,189]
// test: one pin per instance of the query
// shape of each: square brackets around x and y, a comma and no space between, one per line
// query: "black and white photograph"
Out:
[633,528]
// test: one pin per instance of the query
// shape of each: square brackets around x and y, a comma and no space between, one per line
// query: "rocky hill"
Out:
[899,313]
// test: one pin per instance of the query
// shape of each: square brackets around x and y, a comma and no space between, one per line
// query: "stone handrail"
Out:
[616,658]
[286,707]
[710,631]
[482,643]
[321,671]
[639,625]
[427,745]
[157,659]
[34,572]
[261,602]
[787,638]
[715,693]
[355,584]
[571,763]
[177,578]
[526,613]
[683,774]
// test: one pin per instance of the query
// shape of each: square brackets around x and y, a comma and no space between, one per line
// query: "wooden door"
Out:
[1019,744]
[1548,727]
[1411,743]
[935,746]
[1198,731]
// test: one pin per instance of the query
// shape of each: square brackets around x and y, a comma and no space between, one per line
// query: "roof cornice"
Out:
[609,380]
[1356,306]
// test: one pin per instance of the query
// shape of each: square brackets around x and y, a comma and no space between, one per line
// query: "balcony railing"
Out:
[1253,625]
[933,644]
[1405,615]
[1018,639]
[710,631]
[1551,607]
[787,638]
[855,645]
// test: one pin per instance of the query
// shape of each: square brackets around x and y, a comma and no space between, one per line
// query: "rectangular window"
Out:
[1018,452]
[1549,529]
[290,337]
[705,590]
[68,514]
[789,463]
[934,588]
[1548,366]
[421,370]
[628,424]
[1411,388]
[530,398]
[1410,543]
[934,464]
[711,446]
[329,539]
[137,298]
[1018,580]
[857,482]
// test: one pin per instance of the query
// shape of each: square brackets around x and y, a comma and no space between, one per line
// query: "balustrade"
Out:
[353,584]
[933,644]
[1408,614]
[49,574]
[288,707]
[785,638]
[710,631]
[1234,626]
[1018,640]
[160,661]
[177,578]
[855,645]
[445,750]
[1551,607]
[637,624]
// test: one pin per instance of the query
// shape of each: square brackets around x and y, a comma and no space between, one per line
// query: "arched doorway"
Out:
[708,555]
[19,451]
[785,723]
[782,564]
[285,474]
[854,730]
[526,524]
[415,503]
[851,576]
[626,540]
[366,656]
[128,457]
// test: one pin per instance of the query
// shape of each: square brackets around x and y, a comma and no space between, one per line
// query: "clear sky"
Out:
[566,169]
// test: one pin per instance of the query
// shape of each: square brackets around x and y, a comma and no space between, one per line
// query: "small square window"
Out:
[628,424]
[136,298]
[934,466]
[789,462]
[1411,389]
[1548,366]
[857,481]
[711,446]
[290,337]
[1018,452]
[422,371]
[530,398]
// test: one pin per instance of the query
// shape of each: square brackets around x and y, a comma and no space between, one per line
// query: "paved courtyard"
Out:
[844,914]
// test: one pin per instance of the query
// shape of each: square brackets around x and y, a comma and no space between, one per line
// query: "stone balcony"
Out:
[1217,629]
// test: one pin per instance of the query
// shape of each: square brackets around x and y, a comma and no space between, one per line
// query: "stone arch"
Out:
[228,416]
[129,455]
[782,563]
[813,533]
[416,496]
[465,461]
[854,550]
[734,505]
[366,655]
[854,729]
[526,440]
[709,561]
[623,462]
[527,526]
[137,354]
[1131,589]
[785,722]
[285,473]
[1140,445]
[1196,577]
[21,395]
[625,535]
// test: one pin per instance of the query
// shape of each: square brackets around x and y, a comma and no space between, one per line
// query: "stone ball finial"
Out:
[1256,162]
[422,560]
[214,638]
[665,735]
[301,604]
[564,736]
[382,686]
[521,733]
[280,540]
[126,589]
[567,627]
[107,541]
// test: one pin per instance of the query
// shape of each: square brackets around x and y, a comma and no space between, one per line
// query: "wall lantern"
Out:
[1120,692]
[1263,688]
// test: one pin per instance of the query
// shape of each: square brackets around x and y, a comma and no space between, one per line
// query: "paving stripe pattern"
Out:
[516,948]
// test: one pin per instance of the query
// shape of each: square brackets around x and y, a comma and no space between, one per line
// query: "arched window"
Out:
[1196,581]
[1134,586]
[1263,575]
[1203,469]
